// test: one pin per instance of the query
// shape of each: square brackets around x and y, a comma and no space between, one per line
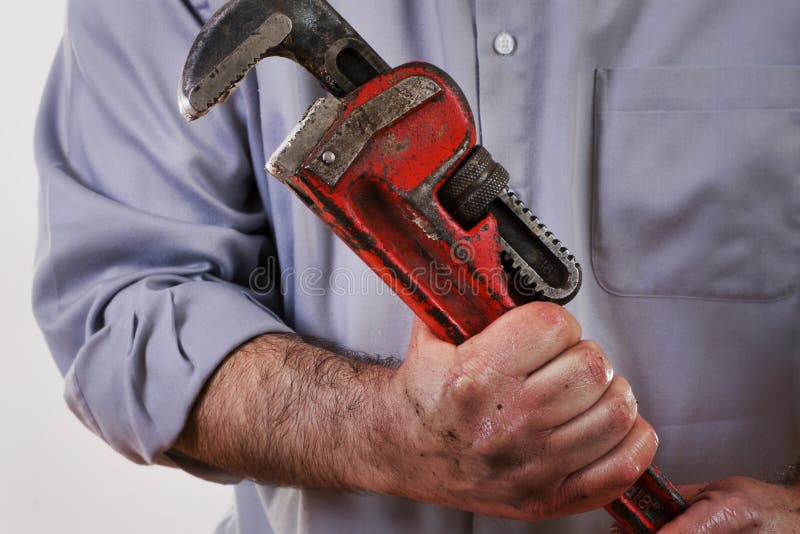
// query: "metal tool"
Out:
[389,161]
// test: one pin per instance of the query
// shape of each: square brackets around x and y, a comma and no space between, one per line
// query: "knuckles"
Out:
[546,317]
[623,410]
[558,321]
[592,366]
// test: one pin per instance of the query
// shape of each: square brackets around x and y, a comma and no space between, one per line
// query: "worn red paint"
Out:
[385,208]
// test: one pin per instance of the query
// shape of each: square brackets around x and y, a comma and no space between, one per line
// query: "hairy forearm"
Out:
[284,411]
[523,420]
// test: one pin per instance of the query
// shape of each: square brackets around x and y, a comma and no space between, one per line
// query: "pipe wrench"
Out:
[389,161]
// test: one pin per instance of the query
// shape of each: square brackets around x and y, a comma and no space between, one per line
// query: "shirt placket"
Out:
[528,56]
[506,32]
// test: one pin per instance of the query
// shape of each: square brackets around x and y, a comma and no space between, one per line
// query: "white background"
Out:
[55,476]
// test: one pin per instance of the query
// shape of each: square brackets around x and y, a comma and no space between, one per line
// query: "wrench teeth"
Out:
[209,80]
[519,276]
[226,92]
[547,271]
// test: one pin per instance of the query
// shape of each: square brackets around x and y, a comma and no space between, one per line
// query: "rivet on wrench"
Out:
[328,157]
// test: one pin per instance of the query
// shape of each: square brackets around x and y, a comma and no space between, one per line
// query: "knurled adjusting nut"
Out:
[472,188]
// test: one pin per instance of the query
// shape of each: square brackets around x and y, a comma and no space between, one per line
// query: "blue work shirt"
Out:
[659,140]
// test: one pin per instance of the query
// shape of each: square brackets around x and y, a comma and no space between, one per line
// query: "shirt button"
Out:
[504,43]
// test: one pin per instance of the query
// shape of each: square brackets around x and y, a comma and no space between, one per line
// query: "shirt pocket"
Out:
[696,185]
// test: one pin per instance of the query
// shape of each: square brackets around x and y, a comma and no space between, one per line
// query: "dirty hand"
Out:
[738,504]
[523,421]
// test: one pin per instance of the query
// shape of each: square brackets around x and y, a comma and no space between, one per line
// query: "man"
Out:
[660,140]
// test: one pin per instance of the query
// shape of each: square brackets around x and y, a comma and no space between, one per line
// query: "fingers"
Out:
[734,504]
[524,339]
[605,479]
[694,514]
[696,518]
[542,421]
[598,430]
[702,517]
[570,384]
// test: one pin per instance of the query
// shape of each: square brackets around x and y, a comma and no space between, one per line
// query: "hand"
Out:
[523,421]
[738,505]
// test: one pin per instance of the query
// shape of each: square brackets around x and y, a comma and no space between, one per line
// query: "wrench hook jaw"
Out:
[244,32]
[227,47]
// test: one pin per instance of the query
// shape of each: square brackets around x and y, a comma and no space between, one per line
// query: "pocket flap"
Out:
[697,182]
[698,88]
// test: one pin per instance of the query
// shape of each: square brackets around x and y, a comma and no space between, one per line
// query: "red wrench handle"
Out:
[652,502]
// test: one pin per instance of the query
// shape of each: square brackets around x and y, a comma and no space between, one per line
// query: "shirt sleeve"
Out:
[150,228]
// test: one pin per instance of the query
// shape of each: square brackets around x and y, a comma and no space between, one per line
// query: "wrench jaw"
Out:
[186,109]
[244,32]
[222,55]
[304,139]
[537,265]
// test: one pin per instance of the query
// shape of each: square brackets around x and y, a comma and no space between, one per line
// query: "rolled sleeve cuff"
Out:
[172,343]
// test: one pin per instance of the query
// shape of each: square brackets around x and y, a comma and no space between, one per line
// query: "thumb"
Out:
[690,491]
[421,336]
[420,332]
